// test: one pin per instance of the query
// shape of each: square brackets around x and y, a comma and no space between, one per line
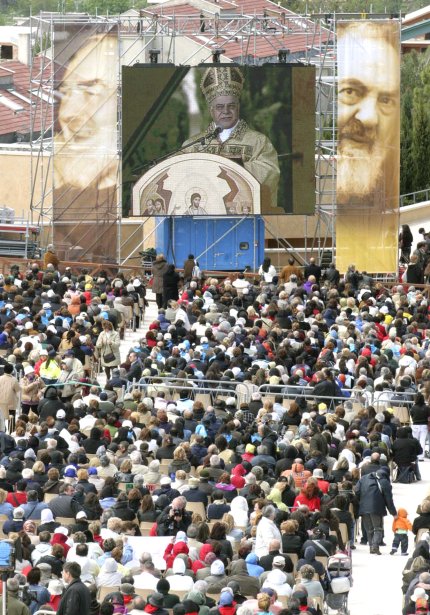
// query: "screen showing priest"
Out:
[182,120]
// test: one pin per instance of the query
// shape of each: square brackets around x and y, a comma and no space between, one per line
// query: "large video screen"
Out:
[218,140]
[86,161]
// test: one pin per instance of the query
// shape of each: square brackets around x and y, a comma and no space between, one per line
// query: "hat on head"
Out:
[178,566]
[55,587]
[61,414]
[225,81]
[181,537]
[190,606]
[163,586]
[237,481]
[81,515]
[165,480]
[226,599]
[419,592]
[278,560]
[156,599]
[92,471]
[70,472]
[217,567]
[318,473]
[193,481]
[322,408]
[127,589]
[18,513]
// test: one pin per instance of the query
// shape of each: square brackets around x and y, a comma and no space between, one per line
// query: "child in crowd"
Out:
[401,527]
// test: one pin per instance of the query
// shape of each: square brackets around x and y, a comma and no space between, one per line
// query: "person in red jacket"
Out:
[174,548]
[309,496]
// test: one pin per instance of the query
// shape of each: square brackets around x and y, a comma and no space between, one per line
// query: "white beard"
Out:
[80,169]
[359,174]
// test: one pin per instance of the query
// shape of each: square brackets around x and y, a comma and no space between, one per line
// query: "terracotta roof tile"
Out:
[24,80]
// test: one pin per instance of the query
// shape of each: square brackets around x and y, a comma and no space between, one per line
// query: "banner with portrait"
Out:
[85,159]
[368,146]
[260,117]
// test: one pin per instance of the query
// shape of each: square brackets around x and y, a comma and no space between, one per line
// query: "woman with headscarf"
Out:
[60,537]
[199,563]
[47,522]
[109,576]
[178,545]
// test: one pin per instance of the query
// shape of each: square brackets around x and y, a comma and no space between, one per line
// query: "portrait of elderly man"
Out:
[230,136]
[85,145]
[368,114]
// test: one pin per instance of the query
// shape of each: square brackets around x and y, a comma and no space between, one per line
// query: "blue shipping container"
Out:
[223,244]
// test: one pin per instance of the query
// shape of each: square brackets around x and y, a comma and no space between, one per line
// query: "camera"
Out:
[177,512]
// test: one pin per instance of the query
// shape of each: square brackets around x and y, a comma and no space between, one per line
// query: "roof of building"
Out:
[269,35]
[20,92]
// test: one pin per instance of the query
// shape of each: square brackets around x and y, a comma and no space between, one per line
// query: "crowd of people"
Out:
[248,433]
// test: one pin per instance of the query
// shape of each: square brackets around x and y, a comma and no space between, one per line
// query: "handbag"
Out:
[109,357]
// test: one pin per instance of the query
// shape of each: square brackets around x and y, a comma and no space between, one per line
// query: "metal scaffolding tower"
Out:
[304,39]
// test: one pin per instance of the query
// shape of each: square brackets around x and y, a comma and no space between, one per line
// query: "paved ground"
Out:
[377,579]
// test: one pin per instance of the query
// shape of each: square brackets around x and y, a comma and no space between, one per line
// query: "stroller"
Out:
[339,577]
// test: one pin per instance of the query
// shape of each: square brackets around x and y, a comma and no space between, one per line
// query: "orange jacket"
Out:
[401,522]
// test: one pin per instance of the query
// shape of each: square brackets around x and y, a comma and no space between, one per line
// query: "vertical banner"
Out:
[368,151]
[86,162]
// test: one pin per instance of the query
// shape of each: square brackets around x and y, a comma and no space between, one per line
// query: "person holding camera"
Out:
[174,518]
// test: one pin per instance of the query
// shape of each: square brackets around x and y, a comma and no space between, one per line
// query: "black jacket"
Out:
[406,450]
[64,506]
[267,561]
[49,405]
[76,599]
[375,494]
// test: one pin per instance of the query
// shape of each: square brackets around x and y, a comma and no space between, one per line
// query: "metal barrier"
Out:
[174,387]
[212,387]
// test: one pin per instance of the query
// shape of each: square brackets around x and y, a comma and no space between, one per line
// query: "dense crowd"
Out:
[248,434]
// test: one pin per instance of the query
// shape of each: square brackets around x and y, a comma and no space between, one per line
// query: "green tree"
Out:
[420,146]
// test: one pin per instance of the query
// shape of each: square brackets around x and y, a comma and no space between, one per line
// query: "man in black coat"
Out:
[375,494]
[313,269]
[135,370]
[406,449]
[76,598]
[266,561]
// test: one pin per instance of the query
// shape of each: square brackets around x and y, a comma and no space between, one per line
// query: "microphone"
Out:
[215,133]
